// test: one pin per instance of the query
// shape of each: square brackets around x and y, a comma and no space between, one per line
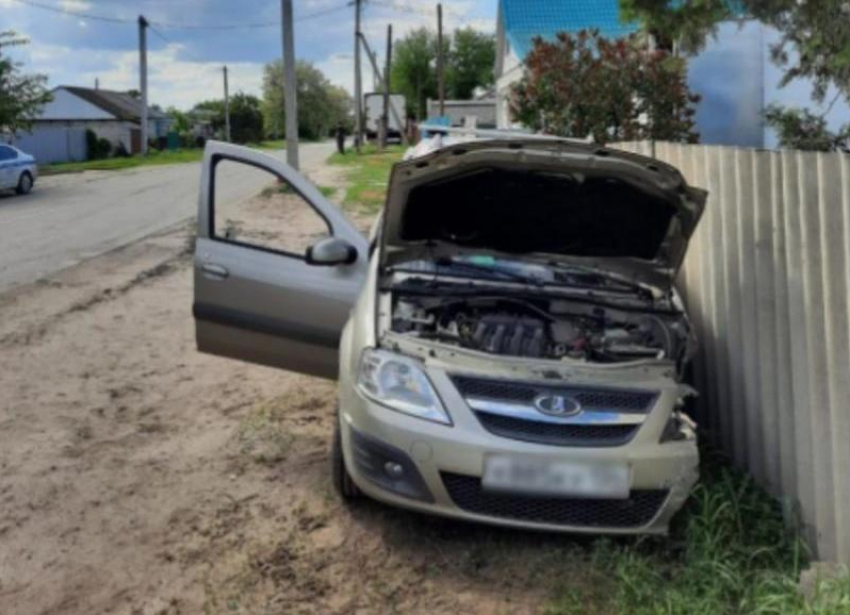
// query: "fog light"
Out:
[388,467]
[394,470]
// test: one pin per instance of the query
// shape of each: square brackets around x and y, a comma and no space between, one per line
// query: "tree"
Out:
[688,23]
[470,63]
[815,36]
[21,95]
[814,44]
[586,85]
[182,122]
[815,41]
[802,129]
[212,111]
[413,72]
[246,117]
[468,56]
[321,105]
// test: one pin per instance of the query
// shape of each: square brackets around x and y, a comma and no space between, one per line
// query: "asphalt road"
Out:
[69,218]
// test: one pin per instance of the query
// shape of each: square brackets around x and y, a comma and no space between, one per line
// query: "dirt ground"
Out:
[138,476]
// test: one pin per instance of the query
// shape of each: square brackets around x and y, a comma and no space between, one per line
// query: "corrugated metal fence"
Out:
[767,279]
[53,143]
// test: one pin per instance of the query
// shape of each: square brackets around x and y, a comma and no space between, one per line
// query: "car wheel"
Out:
[343,483]
[24,183]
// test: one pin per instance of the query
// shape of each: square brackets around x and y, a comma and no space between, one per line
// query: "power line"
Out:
[175,25]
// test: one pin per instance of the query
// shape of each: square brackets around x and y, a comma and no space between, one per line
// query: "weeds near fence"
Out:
[729,553]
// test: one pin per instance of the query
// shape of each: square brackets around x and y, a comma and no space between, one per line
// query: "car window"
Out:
[256,207]
[7,153]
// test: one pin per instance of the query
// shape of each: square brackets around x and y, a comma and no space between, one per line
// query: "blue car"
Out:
[18,170]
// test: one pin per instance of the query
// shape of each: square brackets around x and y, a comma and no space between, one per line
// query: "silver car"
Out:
[509,344]
[18,170]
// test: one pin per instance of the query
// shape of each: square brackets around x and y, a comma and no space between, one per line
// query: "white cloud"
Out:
[178,82]
[172,80]
[339,69]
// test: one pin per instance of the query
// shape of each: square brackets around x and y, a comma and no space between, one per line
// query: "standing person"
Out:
[340,138]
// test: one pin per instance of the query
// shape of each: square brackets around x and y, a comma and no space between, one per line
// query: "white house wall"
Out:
[512,72]
[115,131]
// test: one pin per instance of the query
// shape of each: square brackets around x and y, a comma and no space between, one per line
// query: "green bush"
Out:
[97,148]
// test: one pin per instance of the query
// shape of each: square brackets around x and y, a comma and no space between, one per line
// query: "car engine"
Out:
[545,328]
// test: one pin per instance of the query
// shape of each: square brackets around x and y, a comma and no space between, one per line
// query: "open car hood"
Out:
[555,200]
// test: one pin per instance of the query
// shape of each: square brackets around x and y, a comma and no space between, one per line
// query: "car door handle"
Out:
[214,271]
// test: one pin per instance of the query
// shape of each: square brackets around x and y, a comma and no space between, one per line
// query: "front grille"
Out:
[590,398]
[557,434]
[636,511]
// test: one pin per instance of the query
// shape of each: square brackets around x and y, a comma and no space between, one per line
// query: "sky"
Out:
[184,63]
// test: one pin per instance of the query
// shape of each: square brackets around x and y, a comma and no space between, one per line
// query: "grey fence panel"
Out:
[765,289]
[767,281]
[837,245]
[53,144]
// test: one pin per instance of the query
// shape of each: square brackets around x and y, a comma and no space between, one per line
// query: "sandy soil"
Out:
[138,476]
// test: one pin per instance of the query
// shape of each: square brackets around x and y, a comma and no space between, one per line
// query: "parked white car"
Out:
[18,170]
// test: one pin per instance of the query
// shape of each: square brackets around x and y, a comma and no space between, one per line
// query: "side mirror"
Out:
[331,251]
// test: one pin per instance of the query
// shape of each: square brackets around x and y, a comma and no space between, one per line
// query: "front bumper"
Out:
[448,462]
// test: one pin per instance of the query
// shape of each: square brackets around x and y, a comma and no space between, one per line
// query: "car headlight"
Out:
[399,383]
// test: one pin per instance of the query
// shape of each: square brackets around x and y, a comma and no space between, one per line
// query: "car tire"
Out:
[343,483]
[24,183]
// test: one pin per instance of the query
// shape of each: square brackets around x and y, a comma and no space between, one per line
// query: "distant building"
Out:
[115,116]
[462,112]
[733,74]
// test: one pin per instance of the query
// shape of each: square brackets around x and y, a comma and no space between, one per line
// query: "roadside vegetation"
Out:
[367,176]
[729,553]
[154,158]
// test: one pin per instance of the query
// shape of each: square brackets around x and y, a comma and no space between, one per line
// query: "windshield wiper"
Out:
[611,282]
[488,269]
[443,266]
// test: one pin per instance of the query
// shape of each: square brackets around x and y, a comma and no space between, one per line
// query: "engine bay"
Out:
[544,328]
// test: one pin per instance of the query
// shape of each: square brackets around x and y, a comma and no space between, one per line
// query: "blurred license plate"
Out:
[552,478]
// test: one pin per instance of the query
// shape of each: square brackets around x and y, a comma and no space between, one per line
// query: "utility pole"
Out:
[290,86]
[385,117]
[440,82]
[143,80]
[358,93]
[226,108]
[396,116]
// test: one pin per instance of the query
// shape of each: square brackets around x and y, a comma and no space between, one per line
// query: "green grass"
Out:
[367,175]
[270,144]
[117,164]
[729,553]
[152,159]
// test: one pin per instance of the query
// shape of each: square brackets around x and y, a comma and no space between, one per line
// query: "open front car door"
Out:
[277,266]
